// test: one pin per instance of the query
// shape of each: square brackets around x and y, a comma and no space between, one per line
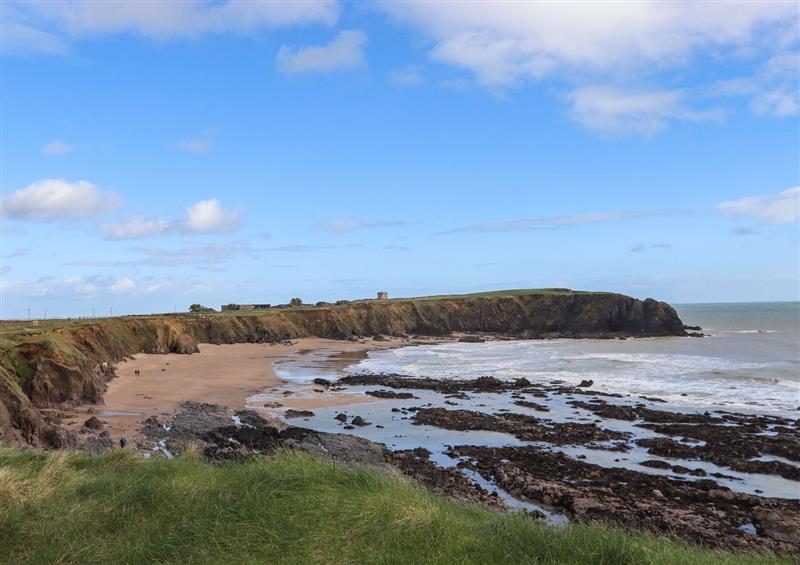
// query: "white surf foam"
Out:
[700,381]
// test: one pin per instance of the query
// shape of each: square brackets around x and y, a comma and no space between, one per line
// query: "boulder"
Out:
[291,413]
[93,423]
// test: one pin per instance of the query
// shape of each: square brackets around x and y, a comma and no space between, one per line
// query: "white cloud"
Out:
[48,27]
[122,285]
[780,208]
[345,52]
[629,46]
[515,41]
[59,199]
[57,147]
[135,227]
[346,225]
[611,110]
[208,216]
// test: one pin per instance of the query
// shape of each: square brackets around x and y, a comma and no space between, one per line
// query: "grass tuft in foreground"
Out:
[289,508]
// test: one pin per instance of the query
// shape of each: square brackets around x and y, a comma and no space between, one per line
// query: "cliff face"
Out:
[73,364]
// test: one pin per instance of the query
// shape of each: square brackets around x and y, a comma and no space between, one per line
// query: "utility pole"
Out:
[111,311]
[45,313]
[29,314]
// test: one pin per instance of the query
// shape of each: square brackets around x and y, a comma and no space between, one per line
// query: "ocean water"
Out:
[749,361]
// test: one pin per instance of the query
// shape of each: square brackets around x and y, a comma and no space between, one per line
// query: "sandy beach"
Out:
[221,374]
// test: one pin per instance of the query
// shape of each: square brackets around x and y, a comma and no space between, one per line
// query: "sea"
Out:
[748,361]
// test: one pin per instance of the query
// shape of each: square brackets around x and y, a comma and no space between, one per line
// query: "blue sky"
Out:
[159,154]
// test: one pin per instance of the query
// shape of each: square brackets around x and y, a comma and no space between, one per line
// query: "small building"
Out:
[245,307]
[383,295]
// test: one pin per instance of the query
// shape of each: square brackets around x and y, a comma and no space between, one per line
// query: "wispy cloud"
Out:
[50,27]
[199,146]
[410,75]
[780,208]
[19,252]
[345,52]
[640,247]
[300,248]
[57,147]
[347,225]
[200,256]
[100,285]
[529,224]
[773,89]
[612,110]
[135,227]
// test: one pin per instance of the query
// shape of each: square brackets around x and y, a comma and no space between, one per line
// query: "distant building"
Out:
[383,295]
[245,307]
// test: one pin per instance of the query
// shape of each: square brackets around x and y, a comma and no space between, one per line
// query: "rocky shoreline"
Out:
[537,472]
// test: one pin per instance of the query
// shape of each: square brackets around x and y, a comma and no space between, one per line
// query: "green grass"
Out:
[289,508]
[504,294]
[22,330]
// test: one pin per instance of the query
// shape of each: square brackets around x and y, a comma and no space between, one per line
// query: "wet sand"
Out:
[221,374]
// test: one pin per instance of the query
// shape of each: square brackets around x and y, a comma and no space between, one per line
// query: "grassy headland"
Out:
[71,361]
[63,507]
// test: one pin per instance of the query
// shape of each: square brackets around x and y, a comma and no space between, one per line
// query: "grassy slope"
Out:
[119,508]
